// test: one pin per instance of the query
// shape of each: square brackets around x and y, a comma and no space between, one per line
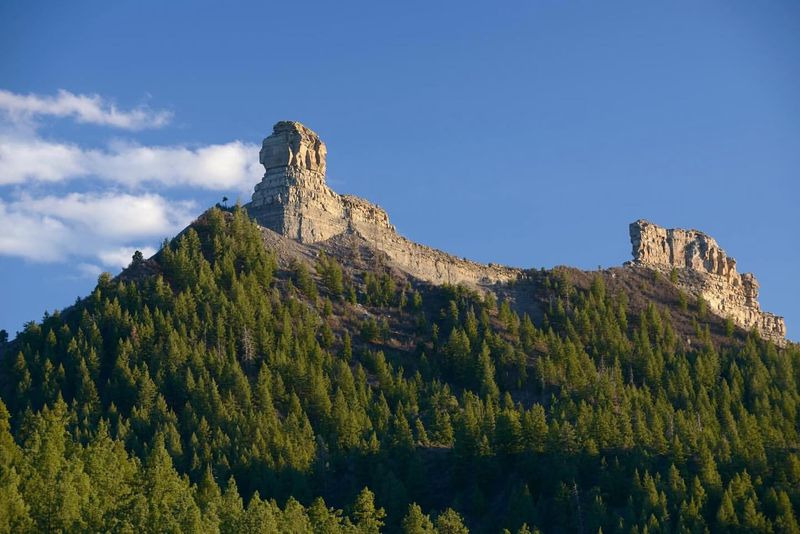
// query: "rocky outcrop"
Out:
[704,269]
[293,200]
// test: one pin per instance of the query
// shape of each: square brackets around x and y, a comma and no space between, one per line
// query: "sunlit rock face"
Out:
[292,197]
[293,145]
[703,268]
[293,200]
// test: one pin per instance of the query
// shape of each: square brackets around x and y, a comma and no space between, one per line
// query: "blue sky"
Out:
[527,133]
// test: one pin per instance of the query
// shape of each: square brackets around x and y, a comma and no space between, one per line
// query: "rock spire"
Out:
[293,200]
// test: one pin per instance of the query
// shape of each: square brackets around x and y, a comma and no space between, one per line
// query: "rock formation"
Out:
[705,270]
[293,200]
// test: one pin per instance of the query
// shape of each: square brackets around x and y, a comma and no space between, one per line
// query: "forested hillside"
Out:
[210,390]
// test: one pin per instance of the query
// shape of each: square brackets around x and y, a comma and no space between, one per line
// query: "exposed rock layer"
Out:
[294,200]
[704,269]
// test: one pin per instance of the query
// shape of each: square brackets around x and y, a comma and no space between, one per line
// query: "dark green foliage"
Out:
[380,290]
[730,328]
[331,273]
[302,279]
[225,394]
[417,522]
[368,518]
[702,307]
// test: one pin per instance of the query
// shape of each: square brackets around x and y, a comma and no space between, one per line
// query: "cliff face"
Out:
[703,268]
[293,200]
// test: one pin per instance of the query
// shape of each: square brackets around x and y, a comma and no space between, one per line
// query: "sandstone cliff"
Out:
[704,269]
[293,200]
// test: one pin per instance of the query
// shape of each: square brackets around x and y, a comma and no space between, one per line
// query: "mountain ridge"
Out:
[244,380]
[294,200]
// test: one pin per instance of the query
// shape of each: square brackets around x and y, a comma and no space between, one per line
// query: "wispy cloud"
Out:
[123,204]
[105,228]
[91,109]
[89,270]
[26,156]
[226,166]
[121,256]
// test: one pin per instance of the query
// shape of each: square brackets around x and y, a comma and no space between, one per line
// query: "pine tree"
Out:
[416,522]
[231,510]
[450,522]
[487,385]
[326,520]
[14,516]
[171,505]
[53,482]
[367,518]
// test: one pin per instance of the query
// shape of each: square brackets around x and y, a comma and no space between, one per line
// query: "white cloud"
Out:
[48,162]
[112,215]
[26,156]
[35,237]
[100,227]
[121,257]
[92,109]
[233,165]
[230,166]
[89,270]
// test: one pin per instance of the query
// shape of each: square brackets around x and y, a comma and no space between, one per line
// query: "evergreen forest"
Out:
[219,388]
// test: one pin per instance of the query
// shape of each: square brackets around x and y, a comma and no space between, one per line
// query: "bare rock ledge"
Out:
[704,269]
[293,200]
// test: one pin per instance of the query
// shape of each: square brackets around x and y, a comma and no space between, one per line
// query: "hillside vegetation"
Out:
[210,390]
